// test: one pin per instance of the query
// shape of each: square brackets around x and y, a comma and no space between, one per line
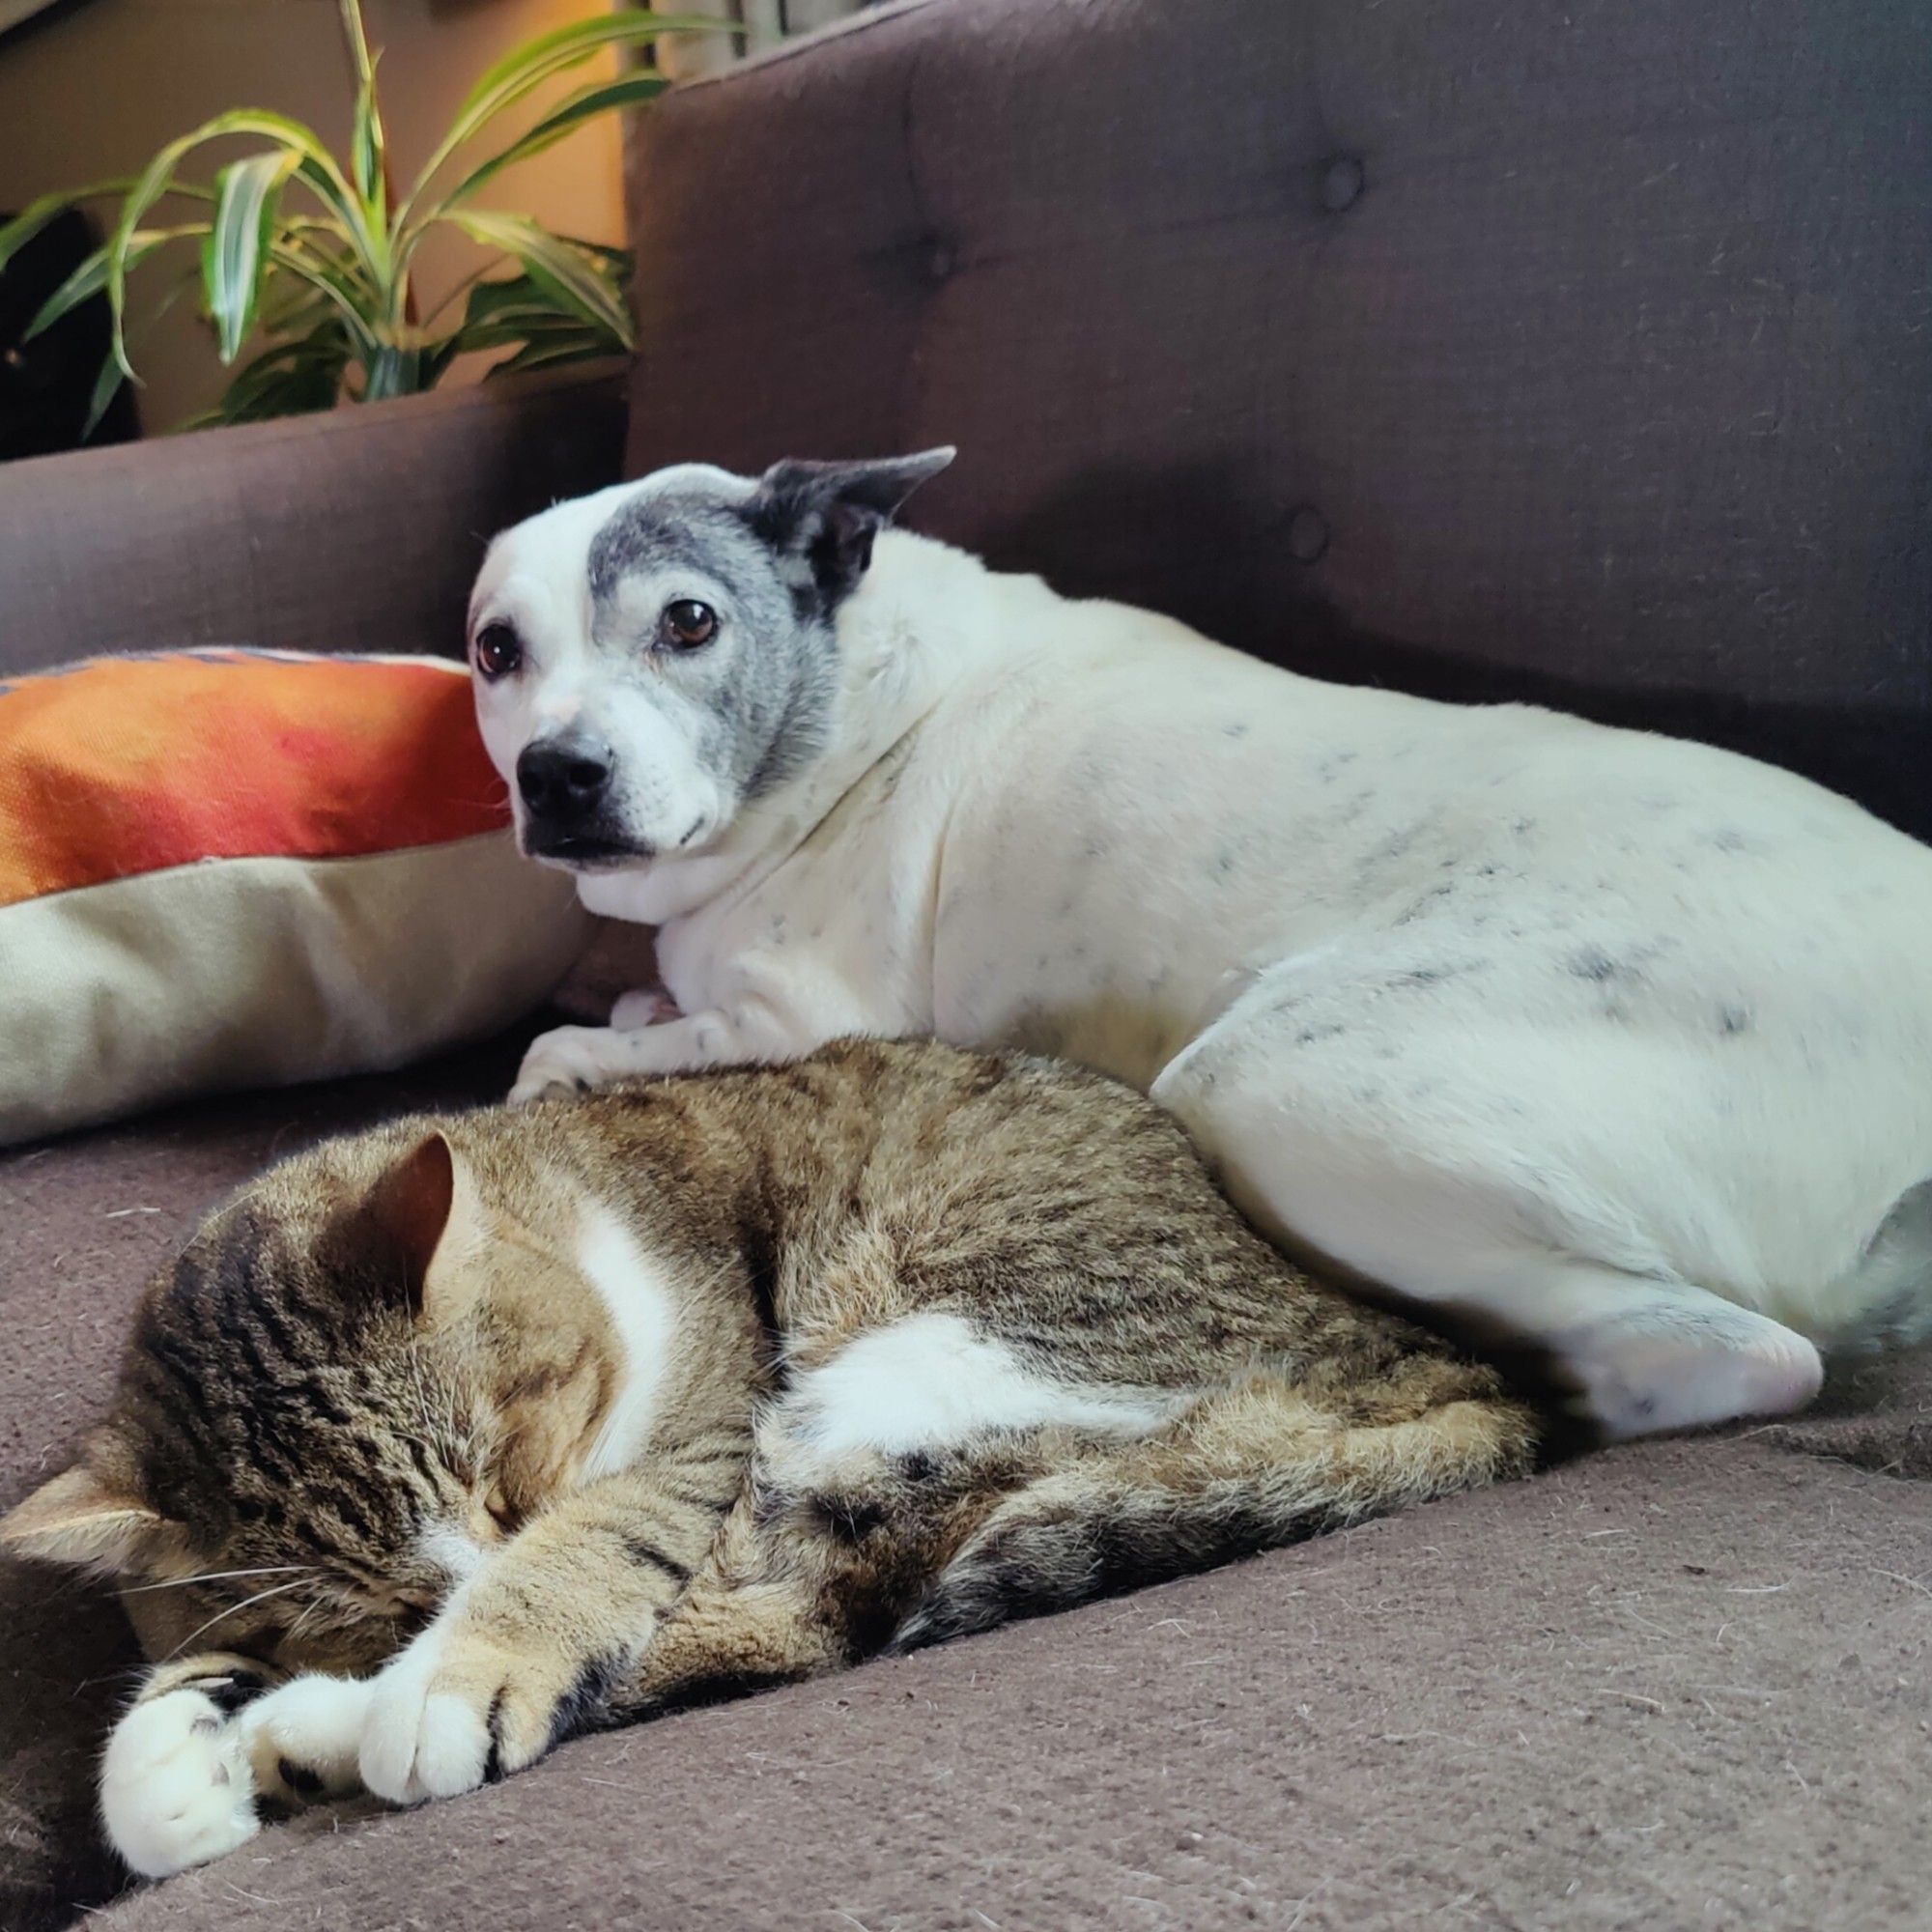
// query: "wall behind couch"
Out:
[94,88]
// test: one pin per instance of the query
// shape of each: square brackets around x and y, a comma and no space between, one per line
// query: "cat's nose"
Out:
[563,779]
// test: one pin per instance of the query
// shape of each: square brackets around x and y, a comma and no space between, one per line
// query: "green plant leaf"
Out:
[502,314]
[14,235]
[330,280]
[235,250]
[528,67]
[563,120]
[91,277]
[365,145]
[315,168]
[287,380]
[106,386]
[392,371]
[559,268]
[548,354]
[291,306]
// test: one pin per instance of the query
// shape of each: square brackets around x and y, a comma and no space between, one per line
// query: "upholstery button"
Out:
[939,260]
[1341,183]
[1307,535]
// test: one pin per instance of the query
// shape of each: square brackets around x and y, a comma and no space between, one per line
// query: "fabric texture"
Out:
[359,529]
[1580,354]
[232,867]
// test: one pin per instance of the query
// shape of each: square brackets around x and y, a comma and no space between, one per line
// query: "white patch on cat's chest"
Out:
[929,1382]
[645,1314]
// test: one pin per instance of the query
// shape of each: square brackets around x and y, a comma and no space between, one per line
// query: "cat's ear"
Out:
[417,1232]
[87,1518]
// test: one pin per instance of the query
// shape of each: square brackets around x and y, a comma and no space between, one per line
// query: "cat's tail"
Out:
[1261,1463]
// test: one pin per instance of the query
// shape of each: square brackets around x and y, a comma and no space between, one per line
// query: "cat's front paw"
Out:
[459,1708]
[564,1061]
[304,1739]
[175,1788]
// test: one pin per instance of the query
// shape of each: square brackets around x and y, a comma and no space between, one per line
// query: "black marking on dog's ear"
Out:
[827,514]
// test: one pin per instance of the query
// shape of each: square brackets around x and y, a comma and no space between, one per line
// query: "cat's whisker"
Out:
[219,1576]
[221,1616]
[312,1608]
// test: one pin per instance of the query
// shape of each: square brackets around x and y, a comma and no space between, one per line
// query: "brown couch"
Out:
[1573,353]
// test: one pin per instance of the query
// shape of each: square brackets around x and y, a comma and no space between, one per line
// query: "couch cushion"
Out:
[1576,354]
[1681,1682]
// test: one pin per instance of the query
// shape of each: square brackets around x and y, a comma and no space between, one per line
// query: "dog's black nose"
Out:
[563,779]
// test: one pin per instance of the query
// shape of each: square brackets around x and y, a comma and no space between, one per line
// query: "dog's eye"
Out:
[499,651]
[687,624]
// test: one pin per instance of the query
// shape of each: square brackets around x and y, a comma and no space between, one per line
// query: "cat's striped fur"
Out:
[520,1423]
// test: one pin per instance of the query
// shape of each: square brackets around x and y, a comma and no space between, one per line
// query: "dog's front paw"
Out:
[646,1007]
[563,1062]
[175,1788]
[460,1707]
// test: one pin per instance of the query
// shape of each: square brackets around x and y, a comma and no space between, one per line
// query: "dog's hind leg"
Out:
[1416,1204]
[1661,1356]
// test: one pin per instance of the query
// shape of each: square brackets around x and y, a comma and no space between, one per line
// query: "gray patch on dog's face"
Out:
[759,697]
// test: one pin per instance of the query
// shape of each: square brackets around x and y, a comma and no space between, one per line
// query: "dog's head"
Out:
[649,660]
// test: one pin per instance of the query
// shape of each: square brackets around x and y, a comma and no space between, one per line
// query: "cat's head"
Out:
[360,1372]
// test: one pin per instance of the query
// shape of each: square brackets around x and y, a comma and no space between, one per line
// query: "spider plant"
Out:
[306,261]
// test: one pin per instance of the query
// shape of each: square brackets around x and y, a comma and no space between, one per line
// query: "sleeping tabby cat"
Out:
[473,1432]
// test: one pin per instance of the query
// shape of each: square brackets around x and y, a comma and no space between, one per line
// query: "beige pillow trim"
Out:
[260,972]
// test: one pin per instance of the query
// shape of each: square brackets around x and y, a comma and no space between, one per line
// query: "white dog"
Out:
[1618,1045]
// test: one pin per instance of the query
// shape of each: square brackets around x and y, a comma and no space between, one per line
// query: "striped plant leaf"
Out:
[315,167]
[235,252]
[553,352]
[91,277]
[570,114]
[559,268]
[521,73]
[14,235]
[106,386]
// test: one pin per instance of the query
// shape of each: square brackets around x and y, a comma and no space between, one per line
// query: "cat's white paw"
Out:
[175,1788]
[303,1739]
[420,1740]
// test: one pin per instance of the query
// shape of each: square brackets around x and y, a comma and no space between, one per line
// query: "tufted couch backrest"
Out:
[1581,354]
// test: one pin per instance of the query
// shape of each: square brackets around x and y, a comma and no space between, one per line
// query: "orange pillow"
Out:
[234,868]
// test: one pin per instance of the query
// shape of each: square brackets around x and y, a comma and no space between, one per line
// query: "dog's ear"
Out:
[827,514]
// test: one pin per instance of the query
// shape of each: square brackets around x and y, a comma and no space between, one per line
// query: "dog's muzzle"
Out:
[566,785]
